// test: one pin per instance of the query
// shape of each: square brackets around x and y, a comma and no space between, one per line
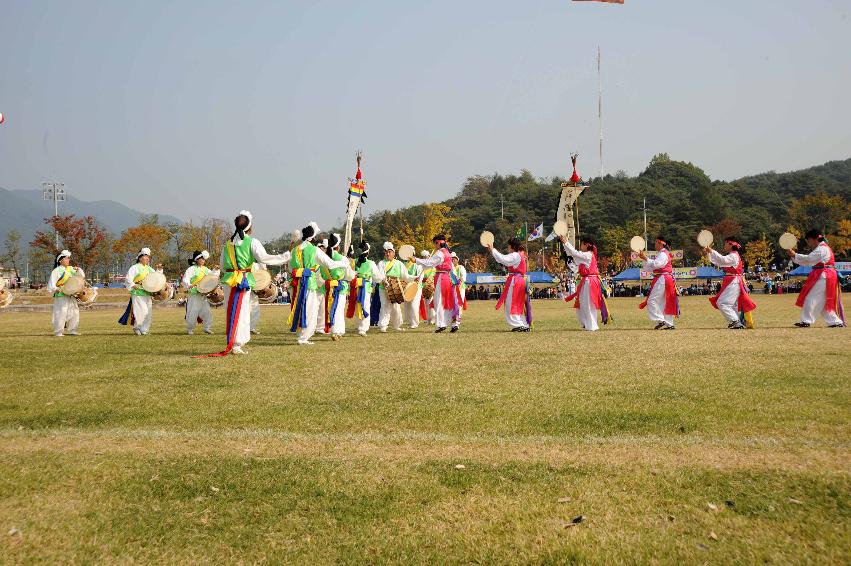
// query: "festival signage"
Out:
[678,273]
[490,279]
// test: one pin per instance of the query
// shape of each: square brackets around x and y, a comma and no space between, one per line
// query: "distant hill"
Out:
[25,211]
[681,200]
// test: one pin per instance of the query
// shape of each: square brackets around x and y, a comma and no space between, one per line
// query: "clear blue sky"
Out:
[201,108]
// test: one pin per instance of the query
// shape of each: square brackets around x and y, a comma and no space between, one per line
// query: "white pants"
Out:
[513,320]
[814,305]
[656,304]
[587,312]
[66,315]
[460,306]
[321,305]
[728,302]
[243,322]
[311,305]
[411,310]
[338,325]
[142,312]
[197,306]
[391,314]
[432,315]
[442,317]
[255,311]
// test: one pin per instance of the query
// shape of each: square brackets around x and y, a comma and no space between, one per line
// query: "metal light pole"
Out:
[56,193]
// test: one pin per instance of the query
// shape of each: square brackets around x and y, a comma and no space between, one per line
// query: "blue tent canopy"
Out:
[534,277]
[707,272]
[634,274]
[804,270]
[631,274]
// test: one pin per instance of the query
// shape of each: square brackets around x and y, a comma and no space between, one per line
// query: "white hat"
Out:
[63,253]
[425,253]
[309,232]
[144,251]
[453,255]
[247,214]
[389,246]
[204,254]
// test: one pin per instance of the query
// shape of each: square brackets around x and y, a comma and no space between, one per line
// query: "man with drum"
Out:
[661,303]
[197,305]
[66,314]
[461,290]
[139,310]
[391,303]
[821,294]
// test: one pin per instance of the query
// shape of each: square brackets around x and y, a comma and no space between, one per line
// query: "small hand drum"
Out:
[406,252]
[74,286]
[788,241]
[486,239]
[207,284]
[262,280]
[410,292]
[560,228]
[637,244]
[704,238]
[154,282]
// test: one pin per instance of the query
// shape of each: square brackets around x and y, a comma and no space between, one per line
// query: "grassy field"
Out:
[701,445]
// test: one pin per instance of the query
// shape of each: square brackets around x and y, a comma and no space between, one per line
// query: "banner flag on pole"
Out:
[537,232]
[551,237]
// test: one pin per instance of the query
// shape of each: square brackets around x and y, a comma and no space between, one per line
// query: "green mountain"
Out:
[681,200]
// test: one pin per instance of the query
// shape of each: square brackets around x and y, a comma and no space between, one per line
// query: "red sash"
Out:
[518,288]
[591,277]
[831,282]
[671,306]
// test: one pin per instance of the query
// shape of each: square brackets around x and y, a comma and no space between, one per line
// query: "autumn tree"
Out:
[147,235]
[83,237]
[477,263]
[819,210]
[12,253]
[725,228]
[759,252]
[418,232]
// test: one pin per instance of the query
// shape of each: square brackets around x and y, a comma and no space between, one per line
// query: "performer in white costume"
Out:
[320,283]
[66,314]
[304,263]
[461,290]
[821,294]
[661,303]
[336,291]
[411,309]
[391,313]
[366,275]
[139,312]
[238,256]
[588,297]
[732,299]
[445,284]
[197,306]
[515,294]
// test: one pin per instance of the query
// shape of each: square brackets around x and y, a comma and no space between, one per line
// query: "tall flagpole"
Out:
[600,107]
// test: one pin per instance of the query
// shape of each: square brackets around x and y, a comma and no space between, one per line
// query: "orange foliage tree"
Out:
[83,237]
[151,236]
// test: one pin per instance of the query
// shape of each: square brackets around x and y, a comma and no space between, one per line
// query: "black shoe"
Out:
[441,329]
[840,325]
[660,326]
[802,324]
[732,324]
[525,329]
[669,327]
[736,326]
[454,329]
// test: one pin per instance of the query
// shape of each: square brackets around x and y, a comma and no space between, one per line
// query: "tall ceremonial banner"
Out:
[570,191]
[357,195]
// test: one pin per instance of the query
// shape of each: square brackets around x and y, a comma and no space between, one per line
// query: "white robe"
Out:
[656,300]
[728,302]
[587,311]
[254,302]
[442,317]
[411,309]
[66,313]
[814,302]
[391,314]
[510,260]
[377,277]
[243,322]
[461,273]
[197,306]
[142,305]
[312,298]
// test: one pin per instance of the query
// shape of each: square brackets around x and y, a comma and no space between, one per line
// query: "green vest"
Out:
[305,258]
[71,271]
[335,274]
[197,275]
[395,270]
[244,260]
[140,270]
[457,271]
[365,273]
